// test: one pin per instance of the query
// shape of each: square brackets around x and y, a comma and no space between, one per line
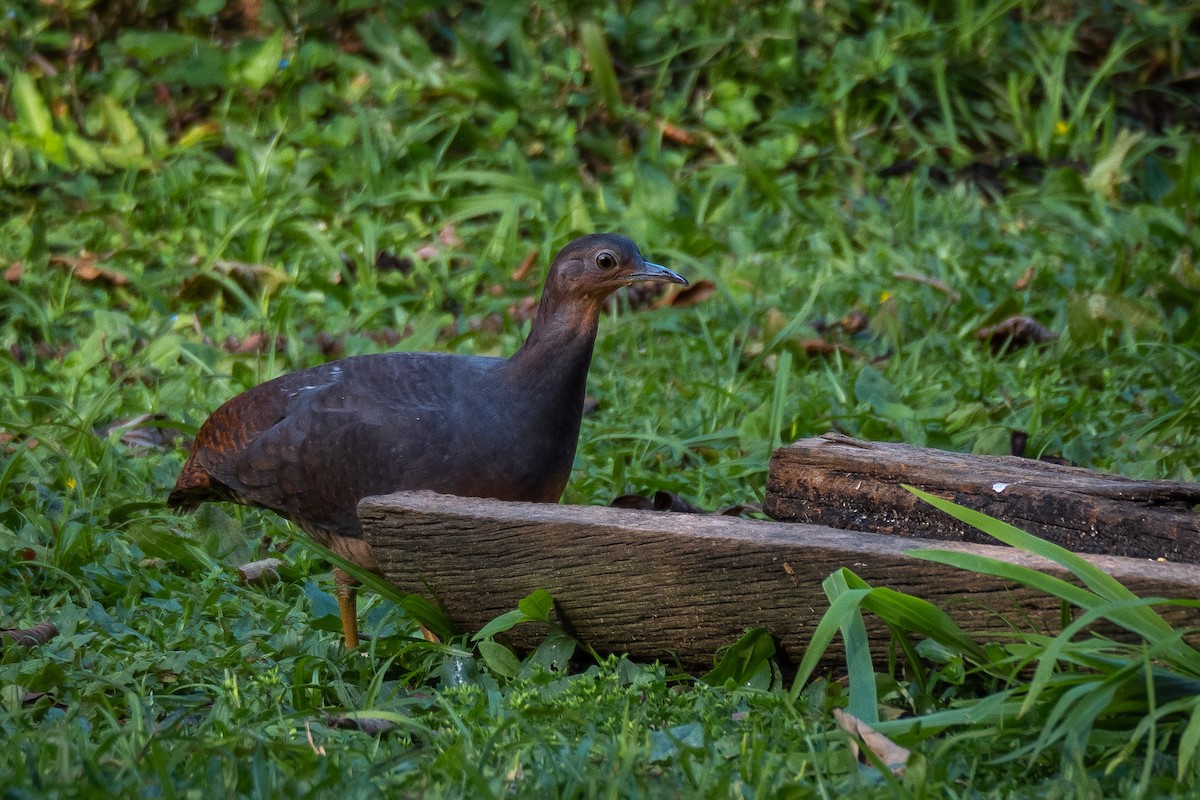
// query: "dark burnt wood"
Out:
[842,482]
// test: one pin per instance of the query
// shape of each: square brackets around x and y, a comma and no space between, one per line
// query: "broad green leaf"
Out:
[1108,173]
[500,624]
[264,63]
[32,113]
[744,659]
[85,154]
[554,653]
[537,605]
[922,617]
[499,658]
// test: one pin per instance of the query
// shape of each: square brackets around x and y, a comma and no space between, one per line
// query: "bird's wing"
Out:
[321,439]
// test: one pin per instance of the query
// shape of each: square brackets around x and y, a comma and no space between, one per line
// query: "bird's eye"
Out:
[606,260]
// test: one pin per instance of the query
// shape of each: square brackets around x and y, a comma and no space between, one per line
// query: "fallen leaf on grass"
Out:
[28,637]
[250,277]
[258,342]
[140,432]
[388,336]
[687,296]
[14,272]
[1022,283]
[10,441]
[448,236]
[1014,333]
[931,282]
[893,756]
[816,346]
[523,310]
[389,262]
[375,726]
[639,295]
[854,321]
[675,133]
[319,749]
[329,345]
[84,266]
[260,573]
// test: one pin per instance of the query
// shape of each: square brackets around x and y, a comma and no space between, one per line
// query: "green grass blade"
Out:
[1092,576]
[603,76]
[864,701]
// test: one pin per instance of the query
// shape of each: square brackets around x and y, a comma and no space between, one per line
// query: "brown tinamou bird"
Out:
[310,444]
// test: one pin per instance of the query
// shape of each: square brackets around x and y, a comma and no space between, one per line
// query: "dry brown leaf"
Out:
[84,267]
[1015,333]
[14,272]
[816,346]
[319,749]
[686,296]
[675,133]
[257,342]
[389,336]
[449,236]
[926,280]
[527,264]
[854,322]
[251,278]
[28,637]
[893,756]
[1023,282]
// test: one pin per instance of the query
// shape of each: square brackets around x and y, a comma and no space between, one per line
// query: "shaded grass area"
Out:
[200,198]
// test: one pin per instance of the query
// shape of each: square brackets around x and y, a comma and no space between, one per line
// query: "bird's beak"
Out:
[653,273]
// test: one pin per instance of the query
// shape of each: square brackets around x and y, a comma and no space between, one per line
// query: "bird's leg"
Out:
[347,597]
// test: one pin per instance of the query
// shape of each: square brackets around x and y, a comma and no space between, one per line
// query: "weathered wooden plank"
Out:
[660,585]
[847,483]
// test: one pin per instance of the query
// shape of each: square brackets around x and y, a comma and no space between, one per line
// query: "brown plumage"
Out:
[310,444]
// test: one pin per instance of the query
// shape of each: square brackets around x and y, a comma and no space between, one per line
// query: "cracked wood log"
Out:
[847,483]
[665,586]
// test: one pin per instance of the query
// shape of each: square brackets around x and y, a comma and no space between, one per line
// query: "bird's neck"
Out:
[556,355]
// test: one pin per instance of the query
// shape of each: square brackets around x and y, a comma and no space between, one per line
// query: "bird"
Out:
[310,444]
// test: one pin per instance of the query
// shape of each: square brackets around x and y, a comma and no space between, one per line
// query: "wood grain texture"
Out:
[847,483]
[659,585]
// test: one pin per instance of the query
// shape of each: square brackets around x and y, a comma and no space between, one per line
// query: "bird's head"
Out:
[593,267]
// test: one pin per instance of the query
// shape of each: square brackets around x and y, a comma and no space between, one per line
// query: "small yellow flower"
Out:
[1062,127]
[70,483]
[884,297]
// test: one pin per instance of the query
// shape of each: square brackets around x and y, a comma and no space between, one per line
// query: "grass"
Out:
[197,200]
